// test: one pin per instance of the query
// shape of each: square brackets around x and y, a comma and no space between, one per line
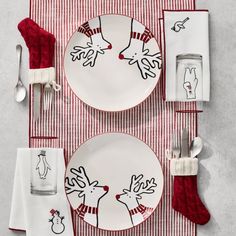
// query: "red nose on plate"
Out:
[121,56]
[106,188]
[117,197]
[109,46]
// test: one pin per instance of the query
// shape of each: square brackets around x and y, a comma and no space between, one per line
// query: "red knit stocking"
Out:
[39,42]
[185,194]
[47,42]
[30,31]
[186,200]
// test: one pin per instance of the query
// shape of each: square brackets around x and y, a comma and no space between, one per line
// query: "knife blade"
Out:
[37,98]
[184,143]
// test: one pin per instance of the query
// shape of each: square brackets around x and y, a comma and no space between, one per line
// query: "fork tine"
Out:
[50,99]
[44,100]
[47,100]
[177,139]
[45,96]
[48,94]
[173,140]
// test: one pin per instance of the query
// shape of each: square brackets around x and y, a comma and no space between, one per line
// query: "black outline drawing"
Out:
[92,51]
[190,86]
[179,25]
[147,62]
[79,184]
[55,221]
[42,170]
[138,188]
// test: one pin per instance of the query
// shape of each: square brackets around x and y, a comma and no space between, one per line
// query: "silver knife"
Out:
[184,144]
[36,100]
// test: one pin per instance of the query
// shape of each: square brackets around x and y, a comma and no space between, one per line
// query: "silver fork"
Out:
[176,145]
[47,97]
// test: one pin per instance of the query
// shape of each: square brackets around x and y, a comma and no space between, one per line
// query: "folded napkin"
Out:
[186,47]
[39,203]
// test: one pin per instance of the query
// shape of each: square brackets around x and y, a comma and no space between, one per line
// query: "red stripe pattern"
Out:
[83,209]
[145,211]
[73,122]
[85,29]
[145,37]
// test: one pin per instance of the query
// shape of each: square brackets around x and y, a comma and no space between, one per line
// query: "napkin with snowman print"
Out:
[186,55]
[39,203]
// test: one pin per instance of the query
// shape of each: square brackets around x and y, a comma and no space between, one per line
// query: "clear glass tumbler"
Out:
[189,81]
[43,171]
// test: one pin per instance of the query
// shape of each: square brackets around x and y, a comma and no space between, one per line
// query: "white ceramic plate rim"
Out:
[139,139]
[103,109]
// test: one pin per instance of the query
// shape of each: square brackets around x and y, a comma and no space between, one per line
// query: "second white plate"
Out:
[114,181]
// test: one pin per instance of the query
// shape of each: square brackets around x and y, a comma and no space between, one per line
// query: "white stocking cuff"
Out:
[44,76]
[184,166]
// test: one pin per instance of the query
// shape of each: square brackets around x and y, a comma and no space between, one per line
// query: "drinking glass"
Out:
[43,171]
[189,79]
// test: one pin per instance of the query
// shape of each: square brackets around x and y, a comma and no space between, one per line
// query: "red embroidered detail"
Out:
[91,32]
[83,209]
[145,211]
[145,37]
[81,30]
[85,29]
[139,209]
[86,25]
[52,212]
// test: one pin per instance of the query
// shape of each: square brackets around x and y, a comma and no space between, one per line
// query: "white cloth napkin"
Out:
[186,32]
[40,215]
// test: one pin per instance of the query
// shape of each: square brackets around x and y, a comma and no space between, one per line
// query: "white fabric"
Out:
[31,213]
[192,38]
[184,166]
[44,76]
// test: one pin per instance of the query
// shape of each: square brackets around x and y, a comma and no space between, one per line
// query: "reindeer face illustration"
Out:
[130,197]
[131,53]
[99,44]
[135,52]
[96,46]
[94,191]
[91,193]
[83,186]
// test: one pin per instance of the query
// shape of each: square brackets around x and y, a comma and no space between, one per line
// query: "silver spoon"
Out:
[20,90]
[196,146]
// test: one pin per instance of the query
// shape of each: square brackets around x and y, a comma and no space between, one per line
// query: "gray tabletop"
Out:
[216,124]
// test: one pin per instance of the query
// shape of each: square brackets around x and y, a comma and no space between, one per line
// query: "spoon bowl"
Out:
[196,146]
[20,92]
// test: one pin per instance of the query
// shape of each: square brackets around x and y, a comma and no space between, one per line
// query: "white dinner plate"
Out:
[112,62]
[114,181]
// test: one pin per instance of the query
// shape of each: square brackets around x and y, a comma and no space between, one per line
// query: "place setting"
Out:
[114,95]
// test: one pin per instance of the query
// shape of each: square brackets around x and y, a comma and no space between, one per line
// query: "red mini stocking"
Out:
[185,197]
[39,42]
[41,54]
[30,31]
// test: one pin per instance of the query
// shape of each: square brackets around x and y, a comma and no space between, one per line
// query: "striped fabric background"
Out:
[70,122]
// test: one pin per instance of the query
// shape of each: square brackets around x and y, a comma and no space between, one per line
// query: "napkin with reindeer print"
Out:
[186,55]
[39,204]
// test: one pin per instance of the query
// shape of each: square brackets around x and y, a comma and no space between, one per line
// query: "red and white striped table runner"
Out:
[70,122]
